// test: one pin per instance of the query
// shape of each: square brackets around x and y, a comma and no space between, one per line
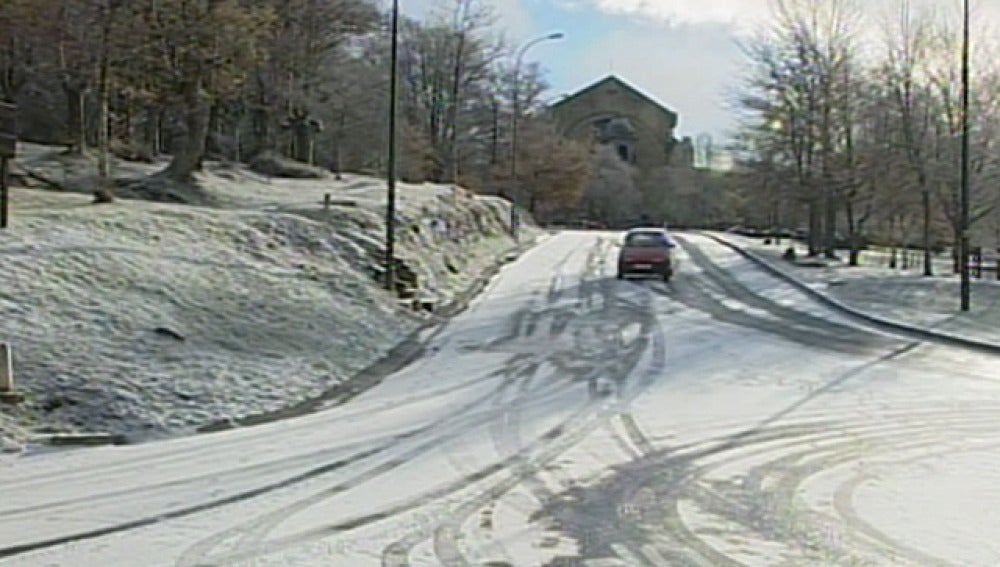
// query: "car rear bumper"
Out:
[644,268]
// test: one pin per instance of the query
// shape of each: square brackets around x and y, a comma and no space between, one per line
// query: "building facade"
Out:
[644,174]
[613,113]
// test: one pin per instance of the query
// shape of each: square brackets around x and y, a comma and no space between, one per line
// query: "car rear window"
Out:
[646,240]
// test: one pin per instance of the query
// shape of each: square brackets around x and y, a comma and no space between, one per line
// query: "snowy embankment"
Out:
[145,319]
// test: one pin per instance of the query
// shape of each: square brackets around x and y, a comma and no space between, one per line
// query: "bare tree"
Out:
[613,196]
[442,63]
[907,45]
[195,56]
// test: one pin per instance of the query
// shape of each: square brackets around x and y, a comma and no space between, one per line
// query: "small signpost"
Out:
[8,149]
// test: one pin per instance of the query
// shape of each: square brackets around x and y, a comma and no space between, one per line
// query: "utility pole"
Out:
[966,287]
[390,206]
[8,150]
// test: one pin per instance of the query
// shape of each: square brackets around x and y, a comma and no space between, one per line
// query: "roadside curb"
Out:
[79,439]
[890,325]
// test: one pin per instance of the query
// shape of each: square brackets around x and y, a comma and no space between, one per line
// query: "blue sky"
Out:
[684,65]
[684,53]
[687,63]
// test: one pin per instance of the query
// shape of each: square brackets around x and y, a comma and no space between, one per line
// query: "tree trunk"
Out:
[855,254]
[338,153]
[892,240]
[456,94]
[853,230]
[956,252]
[261,110]
[814,228]
[338,149]
[187,157]
[75,123]
[132,111]
[301,140]
[12,78]
[213,132]
[103,132]
[150,133]
[928,257]
[103,102]
[829,224]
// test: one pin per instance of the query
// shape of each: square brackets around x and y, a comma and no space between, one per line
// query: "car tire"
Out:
[667,275]
[621,276]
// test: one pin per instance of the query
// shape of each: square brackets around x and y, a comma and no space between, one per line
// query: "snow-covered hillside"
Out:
[142,318]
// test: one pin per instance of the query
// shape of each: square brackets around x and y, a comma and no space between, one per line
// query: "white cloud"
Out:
[688,11]
[691,70]
[747,12]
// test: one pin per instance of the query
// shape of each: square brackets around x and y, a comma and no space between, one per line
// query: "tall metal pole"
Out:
[966,288]
[517,110]
[390,207]
[8,150]
[4,193]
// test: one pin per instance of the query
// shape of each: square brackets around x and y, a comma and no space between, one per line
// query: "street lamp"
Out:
[517,109]
[963,248]
[390,205]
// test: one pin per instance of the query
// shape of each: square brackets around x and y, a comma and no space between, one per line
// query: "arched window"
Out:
[626,151]
[623,152]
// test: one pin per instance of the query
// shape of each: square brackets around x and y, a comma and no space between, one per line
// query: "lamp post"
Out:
[966,286]
[390,206]
[517,108]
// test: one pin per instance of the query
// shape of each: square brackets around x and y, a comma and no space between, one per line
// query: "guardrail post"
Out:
[8,394]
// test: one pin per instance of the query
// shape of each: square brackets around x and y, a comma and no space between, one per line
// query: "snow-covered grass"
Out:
[145,319]
[902,295]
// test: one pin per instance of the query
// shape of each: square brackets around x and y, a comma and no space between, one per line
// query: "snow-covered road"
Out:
[569,418]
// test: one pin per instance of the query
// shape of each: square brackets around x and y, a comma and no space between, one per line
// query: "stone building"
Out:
[612,112]
[662,181]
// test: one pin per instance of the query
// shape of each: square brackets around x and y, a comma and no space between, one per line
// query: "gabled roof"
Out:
[618,82]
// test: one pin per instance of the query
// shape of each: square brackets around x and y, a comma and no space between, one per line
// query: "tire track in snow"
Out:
[249,534]
[447,534]
[693,290]
[446,547]
[462,417]
[254,532]
[505,432]
[736,289]
[750,482]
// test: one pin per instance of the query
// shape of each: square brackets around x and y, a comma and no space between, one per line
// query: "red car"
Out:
[646,251]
